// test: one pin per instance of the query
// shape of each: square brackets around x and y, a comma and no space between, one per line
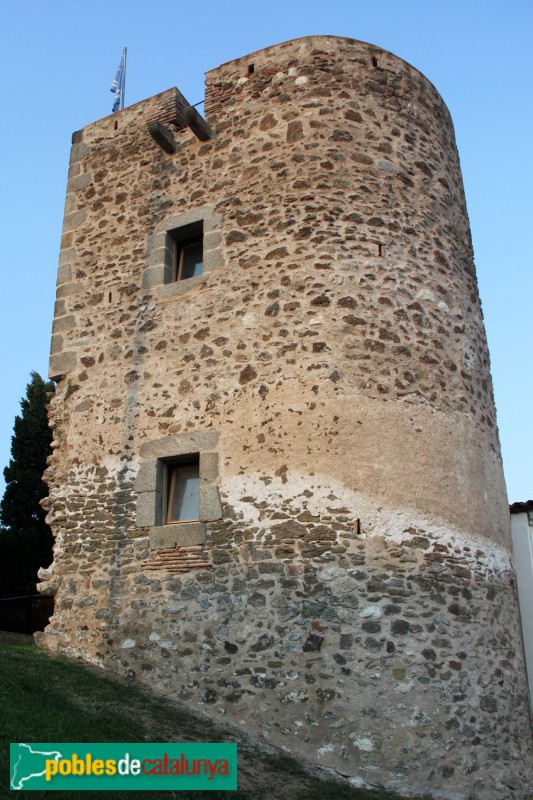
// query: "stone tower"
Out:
[276,484]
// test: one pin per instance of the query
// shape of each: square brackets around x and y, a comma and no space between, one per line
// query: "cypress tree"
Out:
[25,538]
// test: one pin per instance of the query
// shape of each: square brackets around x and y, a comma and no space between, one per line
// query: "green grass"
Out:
[52,699]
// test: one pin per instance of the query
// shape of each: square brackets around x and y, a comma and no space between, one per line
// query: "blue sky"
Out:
[57,61]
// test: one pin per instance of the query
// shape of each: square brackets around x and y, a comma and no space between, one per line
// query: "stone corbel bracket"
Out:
[198,125]
[164,137]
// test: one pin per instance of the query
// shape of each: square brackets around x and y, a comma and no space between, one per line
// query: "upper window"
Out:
[190,261]
[188,251]
[183,250]
[183,481]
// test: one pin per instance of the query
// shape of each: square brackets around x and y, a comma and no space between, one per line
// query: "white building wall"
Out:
[522,530]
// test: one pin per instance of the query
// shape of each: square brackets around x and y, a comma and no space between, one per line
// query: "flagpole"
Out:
[124,77]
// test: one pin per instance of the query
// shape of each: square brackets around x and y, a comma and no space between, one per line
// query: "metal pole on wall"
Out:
[124,78]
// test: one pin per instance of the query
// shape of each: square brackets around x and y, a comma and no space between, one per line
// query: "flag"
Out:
[117,86]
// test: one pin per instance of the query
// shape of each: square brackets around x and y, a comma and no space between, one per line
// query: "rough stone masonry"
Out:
[345,590]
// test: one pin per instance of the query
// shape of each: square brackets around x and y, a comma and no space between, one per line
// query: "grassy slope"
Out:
[52,699]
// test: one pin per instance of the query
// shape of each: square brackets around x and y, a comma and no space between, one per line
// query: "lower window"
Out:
[183,501]
[177,488]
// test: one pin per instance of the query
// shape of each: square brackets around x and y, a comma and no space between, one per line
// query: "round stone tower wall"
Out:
[347,591]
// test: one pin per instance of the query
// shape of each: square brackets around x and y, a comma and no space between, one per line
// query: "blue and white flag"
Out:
[117,86]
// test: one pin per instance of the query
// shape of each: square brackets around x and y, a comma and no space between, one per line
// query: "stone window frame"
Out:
[160,273]
[151,489]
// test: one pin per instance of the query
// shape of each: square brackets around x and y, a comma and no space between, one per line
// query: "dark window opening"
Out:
[188,251]
[183,485]
[251,69]
[374,61]
[190,260]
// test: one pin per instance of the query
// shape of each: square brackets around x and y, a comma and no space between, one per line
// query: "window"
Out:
[190,260]
[183,250]
[188,251]
[177,488]
[183,481]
